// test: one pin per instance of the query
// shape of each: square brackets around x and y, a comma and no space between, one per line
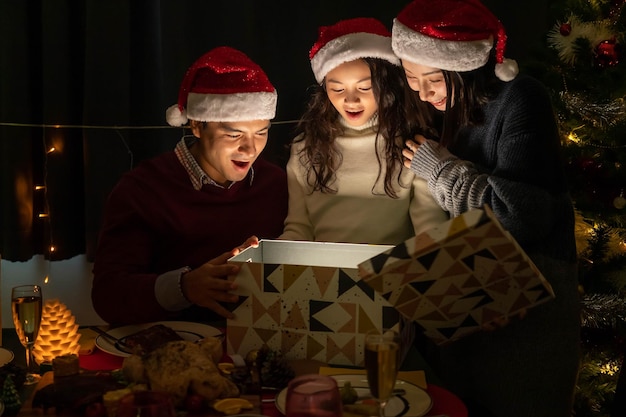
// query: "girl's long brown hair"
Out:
[320,125]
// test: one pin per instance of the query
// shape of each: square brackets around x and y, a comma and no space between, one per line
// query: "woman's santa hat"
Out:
[452,35]
[349,40]
[224,85]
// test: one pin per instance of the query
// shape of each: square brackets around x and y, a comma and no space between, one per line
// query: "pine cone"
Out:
[58,333]
[274,370]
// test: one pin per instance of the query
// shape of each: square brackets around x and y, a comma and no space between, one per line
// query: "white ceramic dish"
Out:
[415,403]
[6,356]
[187,330]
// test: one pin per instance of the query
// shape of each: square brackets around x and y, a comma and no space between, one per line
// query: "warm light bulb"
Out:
[609,368]
[41,215]
[573,137]
[58,332]
[52,248]
[52,149]
[39,187]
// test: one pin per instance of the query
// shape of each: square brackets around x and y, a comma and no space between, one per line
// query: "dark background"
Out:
[94,78]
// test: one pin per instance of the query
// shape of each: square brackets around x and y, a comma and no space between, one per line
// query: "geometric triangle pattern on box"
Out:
[308,312]
[471,272]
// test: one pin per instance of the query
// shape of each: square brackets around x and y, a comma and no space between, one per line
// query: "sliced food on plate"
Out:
[147,340]
[141,338]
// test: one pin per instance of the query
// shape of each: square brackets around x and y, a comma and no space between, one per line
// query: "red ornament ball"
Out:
[565,29]
[608,53]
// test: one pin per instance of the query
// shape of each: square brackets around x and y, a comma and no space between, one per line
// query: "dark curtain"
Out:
[93,79]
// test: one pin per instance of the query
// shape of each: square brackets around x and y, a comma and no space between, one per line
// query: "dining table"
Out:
[444,402]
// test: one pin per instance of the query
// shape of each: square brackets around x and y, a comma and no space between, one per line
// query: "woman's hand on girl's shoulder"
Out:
[410,147]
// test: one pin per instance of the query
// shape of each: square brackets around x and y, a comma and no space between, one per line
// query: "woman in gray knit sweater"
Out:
[488,136]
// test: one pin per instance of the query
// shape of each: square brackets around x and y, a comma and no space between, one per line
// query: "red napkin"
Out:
[100,361]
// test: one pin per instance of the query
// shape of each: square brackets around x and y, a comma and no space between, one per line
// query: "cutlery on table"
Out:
[119,343]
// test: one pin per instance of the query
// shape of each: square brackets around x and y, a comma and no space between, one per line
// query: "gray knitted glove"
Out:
[455,184]
[428,155]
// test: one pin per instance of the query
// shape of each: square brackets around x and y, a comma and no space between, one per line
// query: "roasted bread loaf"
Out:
[180,368]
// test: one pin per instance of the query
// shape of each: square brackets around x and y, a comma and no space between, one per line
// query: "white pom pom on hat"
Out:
[223,85]
[349,40]
[175,116]
[452,35]
[507,70]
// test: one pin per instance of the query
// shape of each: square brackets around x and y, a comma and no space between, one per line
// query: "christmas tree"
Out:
[581,64]
[10,397]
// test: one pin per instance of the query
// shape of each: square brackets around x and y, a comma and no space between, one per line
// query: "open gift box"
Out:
[458,276]
[315,300]
[306,300]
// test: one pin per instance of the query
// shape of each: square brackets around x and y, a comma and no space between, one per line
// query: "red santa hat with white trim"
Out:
[452,35]
[348,40]
[224,85]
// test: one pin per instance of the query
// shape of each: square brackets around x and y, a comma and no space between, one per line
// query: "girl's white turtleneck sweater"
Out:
[360,211]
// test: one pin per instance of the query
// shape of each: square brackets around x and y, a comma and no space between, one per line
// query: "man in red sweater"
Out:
[168,222]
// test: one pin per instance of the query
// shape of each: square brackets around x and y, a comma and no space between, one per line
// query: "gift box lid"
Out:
[457,277]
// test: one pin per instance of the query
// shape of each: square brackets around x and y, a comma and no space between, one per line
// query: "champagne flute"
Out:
[382,360]
[313,395]
[26,303]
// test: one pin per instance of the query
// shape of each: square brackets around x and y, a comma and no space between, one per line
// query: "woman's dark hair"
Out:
[470,91]
[320,125]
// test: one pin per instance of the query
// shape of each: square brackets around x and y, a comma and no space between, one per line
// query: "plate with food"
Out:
[409,400]
[137,338]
